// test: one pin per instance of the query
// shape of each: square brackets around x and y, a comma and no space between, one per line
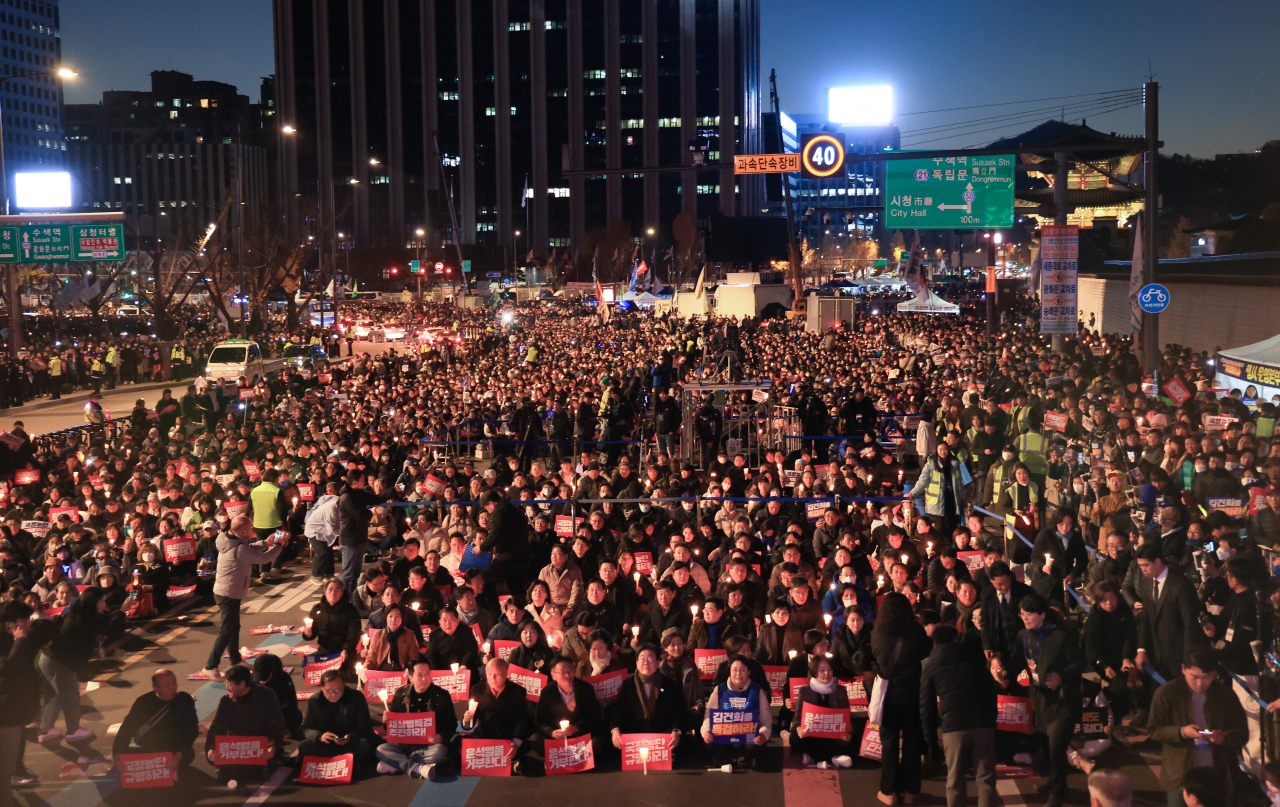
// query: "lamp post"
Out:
[11,271]
[420,233]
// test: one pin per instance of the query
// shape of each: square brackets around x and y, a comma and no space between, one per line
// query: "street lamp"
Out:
[11,271]
[287,129]
[420,233]
[649,231]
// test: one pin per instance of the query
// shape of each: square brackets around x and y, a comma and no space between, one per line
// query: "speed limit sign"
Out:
[822,156]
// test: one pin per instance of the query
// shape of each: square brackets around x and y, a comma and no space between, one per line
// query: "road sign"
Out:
[97,242]
[493,274]
[415,267]
[822,156]
[466,266]
[1153,298]
[945,193]
[40,243]
[8,244]
[765,163]
[1059,264]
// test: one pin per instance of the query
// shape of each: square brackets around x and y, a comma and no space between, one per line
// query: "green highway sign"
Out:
[415,267]
[98,242]
[466,266]
[44,243]
[950,193]
[8,244]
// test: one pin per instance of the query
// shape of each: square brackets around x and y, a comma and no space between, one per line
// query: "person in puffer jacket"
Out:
[956,685]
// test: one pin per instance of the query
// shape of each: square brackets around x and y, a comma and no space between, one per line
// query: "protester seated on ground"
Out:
[419,696]
[500,711]
[747,722]
[334,625]
[450,644]
[162,720]
[572,701]
[648,703]
[268,671]
[410,616]
[825,691]
[395,647]
[533,653]
[337,723]
[247,710]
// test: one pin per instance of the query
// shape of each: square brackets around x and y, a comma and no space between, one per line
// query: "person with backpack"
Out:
[322,526]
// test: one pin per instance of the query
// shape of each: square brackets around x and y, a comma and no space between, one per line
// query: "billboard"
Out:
[860,106]
[42,190]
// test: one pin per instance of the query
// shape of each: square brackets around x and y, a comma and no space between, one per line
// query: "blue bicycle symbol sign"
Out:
[1153,298]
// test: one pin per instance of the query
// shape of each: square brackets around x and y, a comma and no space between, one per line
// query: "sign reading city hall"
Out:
[969,192]
[62,243]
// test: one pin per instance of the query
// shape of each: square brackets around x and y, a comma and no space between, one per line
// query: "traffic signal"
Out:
[394,271]
[448,270]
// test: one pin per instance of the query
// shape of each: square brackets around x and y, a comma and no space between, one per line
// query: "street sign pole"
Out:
[1151,326]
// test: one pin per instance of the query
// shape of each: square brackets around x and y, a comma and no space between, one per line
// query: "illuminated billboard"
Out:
[44,190]
[860,106]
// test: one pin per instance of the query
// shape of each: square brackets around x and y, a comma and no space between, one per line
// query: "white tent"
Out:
[933,305]
[1256,365]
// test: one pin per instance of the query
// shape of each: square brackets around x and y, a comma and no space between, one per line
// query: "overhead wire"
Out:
[964,130]
[1020,114]
[1093,114]
[1012,103]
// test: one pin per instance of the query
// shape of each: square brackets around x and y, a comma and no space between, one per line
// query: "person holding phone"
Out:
[338,723]
[238,551]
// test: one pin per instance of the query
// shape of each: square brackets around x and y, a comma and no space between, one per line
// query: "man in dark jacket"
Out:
[508,540]
[1058,557]
[1168,612]
[501,709]
[957,686]
[163,719]
[648,703]
[247,710]
[354,504]
[1000,619]
[419,696]
[337,723]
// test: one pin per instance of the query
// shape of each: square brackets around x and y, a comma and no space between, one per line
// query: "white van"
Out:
[239,357]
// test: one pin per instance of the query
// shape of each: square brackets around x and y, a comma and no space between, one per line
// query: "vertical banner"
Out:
[1059,298]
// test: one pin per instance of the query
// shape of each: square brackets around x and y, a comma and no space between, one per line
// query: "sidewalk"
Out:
[80,396]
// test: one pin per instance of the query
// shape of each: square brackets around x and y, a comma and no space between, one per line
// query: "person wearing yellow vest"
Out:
[55,376]
[1031,452]
[531,355]
[943,485]
[268,515]
[1021,500]
[113,359]
[178,359]
[1000,476]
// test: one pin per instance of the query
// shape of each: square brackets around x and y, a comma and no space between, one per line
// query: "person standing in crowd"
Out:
[20,645]
[958,695]
[900,646]
[355,504]
[238,551]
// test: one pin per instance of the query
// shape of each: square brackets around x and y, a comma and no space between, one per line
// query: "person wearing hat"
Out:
[93,413]
[1000,475]
[108,579]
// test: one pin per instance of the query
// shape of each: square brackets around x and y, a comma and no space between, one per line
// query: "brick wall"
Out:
[1201,316]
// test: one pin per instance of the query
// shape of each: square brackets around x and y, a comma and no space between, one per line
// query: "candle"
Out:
[635,630]
[904,560]
[485,647]
[359,668]
[415,606]
[929,546]
[880,580]
[307,622]
[791,654]
[826,618]
[1048,559]
[564,725]
[693,609]
[636,576]
[644,759]
[767,619]
[471,704]
[383,694]
[454,667]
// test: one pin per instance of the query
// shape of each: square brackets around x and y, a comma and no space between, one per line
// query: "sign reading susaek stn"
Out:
[944,193]
[62,243]
[43,243]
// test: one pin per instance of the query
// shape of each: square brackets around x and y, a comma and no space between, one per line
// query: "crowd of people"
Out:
[963,532]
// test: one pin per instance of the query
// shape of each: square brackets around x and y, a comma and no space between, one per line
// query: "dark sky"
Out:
[1216,66]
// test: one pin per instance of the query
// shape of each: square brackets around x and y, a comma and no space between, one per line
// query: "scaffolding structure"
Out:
[749,426]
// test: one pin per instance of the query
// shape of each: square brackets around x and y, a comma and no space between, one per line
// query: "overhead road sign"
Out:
[765,163]
[62,243]
[950,193]
[822,156]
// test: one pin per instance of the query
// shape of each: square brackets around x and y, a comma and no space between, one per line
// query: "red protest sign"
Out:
[184,468]
[479,636]
[857,692]
[503,648]
[26,476]
[818,721]
[655,756]
[327,770]
[1176,390]
[531,681]
[644,562]
[306,492]
[1055,421]
[233,750]
[235,508]
[1014,714]
[777,677]
[416,728]
[434,485]
[457,684]
[251,468]
[72,512]
[485,757]
[315,666]
[178,550]
[145,770]
[376,683]
[564,525]
[793,688]
[247,393]
[177,593]
[870,747]
[708,661]
[973,560]
[607,686]
[569,756]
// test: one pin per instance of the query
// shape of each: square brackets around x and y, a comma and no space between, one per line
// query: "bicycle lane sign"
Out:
[1154,298]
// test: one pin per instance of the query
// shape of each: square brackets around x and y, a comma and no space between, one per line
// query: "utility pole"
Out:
[1151,324]
[793,247]
[1060,213]
[453,215]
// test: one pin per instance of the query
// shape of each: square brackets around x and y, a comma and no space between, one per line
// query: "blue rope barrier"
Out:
[1146,668]
[537,502]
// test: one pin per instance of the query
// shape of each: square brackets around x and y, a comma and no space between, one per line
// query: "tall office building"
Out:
[31,47]
[513,87]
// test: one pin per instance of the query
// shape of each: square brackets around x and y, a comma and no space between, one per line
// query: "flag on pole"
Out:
[328,290]
[916,275]
[1135,280]
[602,308]
[524,195]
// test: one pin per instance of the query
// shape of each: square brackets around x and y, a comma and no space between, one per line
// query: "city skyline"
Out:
[1209,106]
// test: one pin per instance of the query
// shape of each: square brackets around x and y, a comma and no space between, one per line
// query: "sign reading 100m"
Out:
[970,192]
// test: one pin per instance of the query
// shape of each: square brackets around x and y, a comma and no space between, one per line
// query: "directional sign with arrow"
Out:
[943,193]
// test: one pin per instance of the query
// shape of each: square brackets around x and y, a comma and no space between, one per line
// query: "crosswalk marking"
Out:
[292,600]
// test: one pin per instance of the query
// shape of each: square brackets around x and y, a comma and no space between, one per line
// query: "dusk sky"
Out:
[1216,70]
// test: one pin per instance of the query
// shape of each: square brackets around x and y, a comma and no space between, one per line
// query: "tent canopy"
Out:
[933,305]
[1256,365]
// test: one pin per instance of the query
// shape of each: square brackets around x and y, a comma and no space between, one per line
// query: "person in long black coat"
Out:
[900,646]
[648,702]
[508,540]
[1000,620]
